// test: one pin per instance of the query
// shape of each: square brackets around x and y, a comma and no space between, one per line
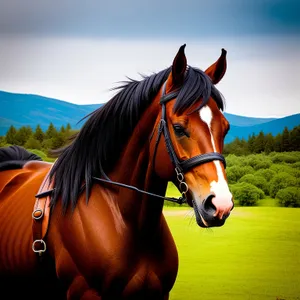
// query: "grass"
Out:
[255,255]
[268,201]
[172,191]
[42,155]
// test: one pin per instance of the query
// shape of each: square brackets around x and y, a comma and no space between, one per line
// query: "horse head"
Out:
[194,129]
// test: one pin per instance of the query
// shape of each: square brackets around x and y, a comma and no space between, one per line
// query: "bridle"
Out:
[181,166]
[41,211]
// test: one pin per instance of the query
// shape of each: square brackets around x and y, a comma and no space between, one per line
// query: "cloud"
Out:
[156,19]
[261,80]
[76,51]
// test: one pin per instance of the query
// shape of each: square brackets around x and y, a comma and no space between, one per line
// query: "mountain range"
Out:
[30,110]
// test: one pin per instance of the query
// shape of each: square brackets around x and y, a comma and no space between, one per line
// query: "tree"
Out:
[32,143]
[269,143]
[39,134]
[62,129]
[58,140]
[285,140]
[23,134]
[259,143]
[11,135]
[251,141]
[47,144]
[295,138]
[51,131]
[278,143]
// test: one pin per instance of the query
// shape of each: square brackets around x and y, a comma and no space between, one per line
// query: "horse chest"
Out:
[146,271]
[123,265]
[147,279]
[142,278]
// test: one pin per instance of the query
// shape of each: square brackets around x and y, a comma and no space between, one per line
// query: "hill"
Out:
[236,120]
[26,109]
[274,127]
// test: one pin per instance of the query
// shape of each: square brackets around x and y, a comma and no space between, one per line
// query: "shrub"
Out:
[233,160]
[32,143]
[257,181]
[47,144]
[268,174]
[289,197]
[234,173]
[287,157]
[259,161]
[2,141]
[281,181]
[246,193]
[278,168]
[296,165]
[42,155]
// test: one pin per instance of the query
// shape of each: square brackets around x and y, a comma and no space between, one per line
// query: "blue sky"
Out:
[76,52]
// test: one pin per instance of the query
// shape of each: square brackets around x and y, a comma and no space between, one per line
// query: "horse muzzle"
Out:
[211,212]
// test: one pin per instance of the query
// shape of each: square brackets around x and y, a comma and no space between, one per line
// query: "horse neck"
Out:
[135,168]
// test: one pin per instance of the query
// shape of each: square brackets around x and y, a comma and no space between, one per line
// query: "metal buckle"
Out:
[42,242]
[179,175]
[183,187]
[38,217]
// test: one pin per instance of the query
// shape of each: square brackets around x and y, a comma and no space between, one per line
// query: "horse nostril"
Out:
[209,206]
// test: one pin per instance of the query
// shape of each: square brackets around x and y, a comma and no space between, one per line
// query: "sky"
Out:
[77,51]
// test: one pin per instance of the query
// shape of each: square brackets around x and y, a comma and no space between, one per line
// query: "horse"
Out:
[91,225]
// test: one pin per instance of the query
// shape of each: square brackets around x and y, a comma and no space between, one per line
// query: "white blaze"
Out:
[219,188]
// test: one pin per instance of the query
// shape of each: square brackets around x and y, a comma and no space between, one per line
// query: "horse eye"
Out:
[179,130]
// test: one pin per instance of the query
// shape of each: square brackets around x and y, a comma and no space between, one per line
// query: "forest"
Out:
[262,167]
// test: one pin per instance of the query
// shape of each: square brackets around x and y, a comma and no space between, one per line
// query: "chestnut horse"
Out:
[91,225]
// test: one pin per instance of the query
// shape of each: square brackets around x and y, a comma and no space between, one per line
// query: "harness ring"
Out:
[42,242]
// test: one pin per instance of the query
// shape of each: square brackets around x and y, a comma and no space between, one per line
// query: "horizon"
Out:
[88,104]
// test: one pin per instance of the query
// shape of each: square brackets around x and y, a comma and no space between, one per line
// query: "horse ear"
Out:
[217,70]
[179,66]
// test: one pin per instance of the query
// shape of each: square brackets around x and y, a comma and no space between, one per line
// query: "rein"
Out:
[179,200]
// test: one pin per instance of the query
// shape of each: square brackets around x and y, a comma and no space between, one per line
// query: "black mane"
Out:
[15,157]
[97,147]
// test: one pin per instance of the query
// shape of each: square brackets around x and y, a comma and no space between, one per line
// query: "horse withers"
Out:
[91,225]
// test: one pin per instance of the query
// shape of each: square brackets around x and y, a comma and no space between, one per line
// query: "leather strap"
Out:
[41,216]
[167,97]
[181,166]
[201,159]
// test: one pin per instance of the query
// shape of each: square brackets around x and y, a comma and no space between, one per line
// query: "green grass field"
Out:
[255,255]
